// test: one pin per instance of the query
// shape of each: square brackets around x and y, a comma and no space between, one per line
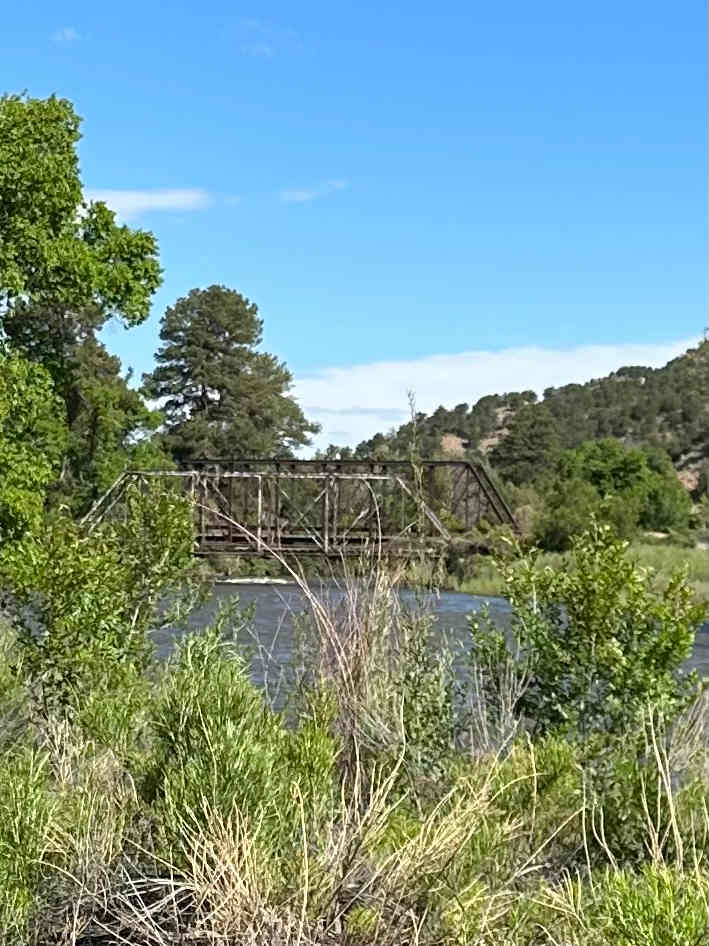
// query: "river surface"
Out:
[271,633]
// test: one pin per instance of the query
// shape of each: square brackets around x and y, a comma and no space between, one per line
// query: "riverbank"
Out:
[664,560]
[477,574]
[386,805]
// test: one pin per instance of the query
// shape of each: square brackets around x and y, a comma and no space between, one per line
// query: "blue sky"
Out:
[401,189]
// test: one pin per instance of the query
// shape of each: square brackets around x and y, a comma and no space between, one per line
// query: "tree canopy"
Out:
[221,396]
[109,424]
[529,447]
[32,440]
[66,267]
[55,245]
[630,487]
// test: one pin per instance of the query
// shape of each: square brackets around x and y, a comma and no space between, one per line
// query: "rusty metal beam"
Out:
[330,507]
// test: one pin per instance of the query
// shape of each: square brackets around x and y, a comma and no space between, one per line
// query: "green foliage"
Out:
[219,748]
[424,682]
[666,503]
[598,641]
[109,424]
[630,488]
[530,446]
[53,245]
[83,607]
[66,267]
[26,808]
[32,437]
[655,907]
[222,397]
[569,506]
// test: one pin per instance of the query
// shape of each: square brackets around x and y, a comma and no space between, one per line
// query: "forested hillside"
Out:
[666,407]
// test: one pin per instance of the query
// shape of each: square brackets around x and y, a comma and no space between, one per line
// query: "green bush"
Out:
[219,748]
[82,606]
[598,641]
[32,438]
[423,680]
[656,906]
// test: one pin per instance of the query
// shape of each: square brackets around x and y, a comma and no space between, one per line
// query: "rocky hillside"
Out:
[668,407]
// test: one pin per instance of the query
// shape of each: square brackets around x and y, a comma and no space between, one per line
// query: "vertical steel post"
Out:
[201,513]
[259,509]
[326,516]
[231,509]
[277,511]
[468,527]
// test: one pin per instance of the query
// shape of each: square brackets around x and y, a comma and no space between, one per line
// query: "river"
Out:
[272,637]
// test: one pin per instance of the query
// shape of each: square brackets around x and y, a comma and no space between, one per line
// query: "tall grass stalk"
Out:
[389,806]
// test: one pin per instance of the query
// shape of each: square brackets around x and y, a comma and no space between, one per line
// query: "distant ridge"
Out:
[667,407]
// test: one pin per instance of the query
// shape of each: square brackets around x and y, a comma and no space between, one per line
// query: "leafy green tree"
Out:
[110,426]
[32,441]
[599,643]
[666,503]
[66,267]
[568,507]
[220,396]
[628,487]
[54,245]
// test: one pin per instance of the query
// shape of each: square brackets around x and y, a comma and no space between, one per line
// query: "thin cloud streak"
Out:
[129,204]
[301,195]
[393,413]
[259,50]
[67,34]
[368,398]
[265,40]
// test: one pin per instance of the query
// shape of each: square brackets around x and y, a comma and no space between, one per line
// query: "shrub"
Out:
[219,745]
[658,906]
[32,439]
[629,488]
[82,606]
[598,641]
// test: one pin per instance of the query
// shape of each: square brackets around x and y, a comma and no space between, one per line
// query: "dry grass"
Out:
[501,841]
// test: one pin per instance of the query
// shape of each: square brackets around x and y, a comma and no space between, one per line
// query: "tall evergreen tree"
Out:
[219,395]
[530,447]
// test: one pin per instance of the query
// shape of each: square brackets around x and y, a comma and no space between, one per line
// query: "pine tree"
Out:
[219,395]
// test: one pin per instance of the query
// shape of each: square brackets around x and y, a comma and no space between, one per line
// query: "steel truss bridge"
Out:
[324,507]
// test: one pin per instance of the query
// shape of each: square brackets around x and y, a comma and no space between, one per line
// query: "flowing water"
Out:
[272,629]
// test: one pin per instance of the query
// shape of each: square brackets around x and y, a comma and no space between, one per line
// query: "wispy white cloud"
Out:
[360,400]
[260,50]
[264,39]
[132,203]
[67,34]
[300,195]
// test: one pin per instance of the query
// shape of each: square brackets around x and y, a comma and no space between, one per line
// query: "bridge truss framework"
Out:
[324,507]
